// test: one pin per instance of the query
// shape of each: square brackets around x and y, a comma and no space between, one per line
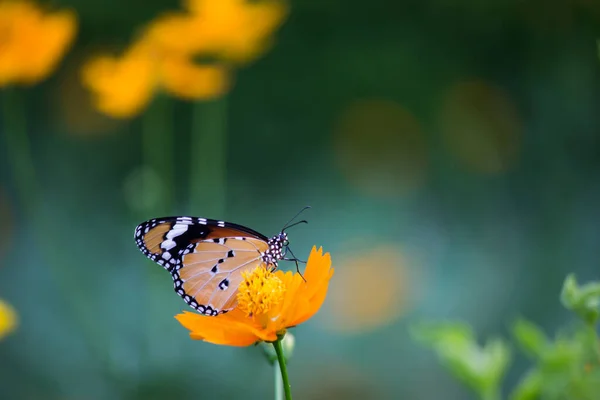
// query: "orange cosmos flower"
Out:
[32,41]
[268,304]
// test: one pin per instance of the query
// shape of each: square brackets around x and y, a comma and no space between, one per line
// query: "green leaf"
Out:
[436,333]
[529,388]
[583,300]
[562,355]
[497,356]
[530,337]
[569,295]
[480,368]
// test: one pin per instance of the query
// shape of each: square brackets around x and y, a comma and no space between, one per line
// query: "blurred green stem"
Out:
[594,342]
[157,147]
[284,375]
[19,146]
[208,157]
[19,154]
[158,157]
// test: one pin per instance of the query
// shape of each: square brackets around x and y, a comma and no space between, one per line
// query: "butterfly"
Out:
[206,257]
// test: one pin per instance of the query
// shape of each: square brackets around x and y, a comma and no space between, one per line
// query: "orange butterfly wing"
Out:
[212,272]
[205,257]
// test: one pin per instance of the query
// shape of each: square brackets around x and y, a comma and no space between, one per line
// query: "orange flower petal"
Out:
[318,266]
[294,285]
[317,274]
[313,305]
[218,330]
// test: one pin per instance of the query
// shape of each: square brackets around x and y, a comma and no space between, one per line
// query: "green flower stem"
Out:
[278,381]
[284,375]
[208,157]
[157,149]
[19,147]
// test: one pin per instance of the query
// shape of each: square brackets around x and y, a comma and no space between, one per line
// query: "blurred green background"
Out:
[450,152]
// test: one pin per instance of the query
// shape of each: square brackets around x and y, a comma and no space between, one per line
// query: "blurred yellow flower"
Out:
[268,304]
[8,319]
[381,148]
[481,126]
[32,41]
[167,56]
[123,86]
[236,31]
[188,80]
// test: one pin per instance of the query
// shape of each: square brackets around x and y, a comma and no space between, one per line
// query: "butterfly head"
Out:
[283,239]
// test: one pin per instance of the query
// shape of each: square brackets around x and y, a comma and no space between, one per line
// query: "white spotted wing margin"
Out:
[205,257]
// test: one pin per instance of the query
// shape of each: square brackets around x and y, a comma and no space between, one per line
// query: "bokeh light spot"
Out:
[8,319]
[370,289]
[380,148]
[143,189]
[339,380]
[480,126]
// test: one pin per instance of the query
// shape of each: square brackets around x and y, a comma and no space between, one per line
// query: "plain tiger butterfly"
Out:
[206,257]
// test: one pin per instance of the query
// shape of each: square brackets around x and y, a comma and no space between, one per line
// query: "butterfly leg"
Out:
[294,259]
[297,268]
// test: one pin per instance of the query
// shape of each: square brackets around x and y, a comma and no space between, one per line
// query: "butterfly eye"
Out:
[286,242]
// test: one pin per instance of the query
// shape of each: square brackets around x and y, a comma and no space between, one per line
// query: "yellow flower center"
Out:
[260,291]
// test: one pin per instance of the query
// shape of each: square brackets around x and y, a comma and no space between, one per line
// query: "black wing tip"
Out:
[145,226]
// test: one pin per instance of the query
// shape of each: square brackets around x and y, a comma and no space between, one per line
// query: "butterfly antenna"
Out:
[294,224]
[295,216]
